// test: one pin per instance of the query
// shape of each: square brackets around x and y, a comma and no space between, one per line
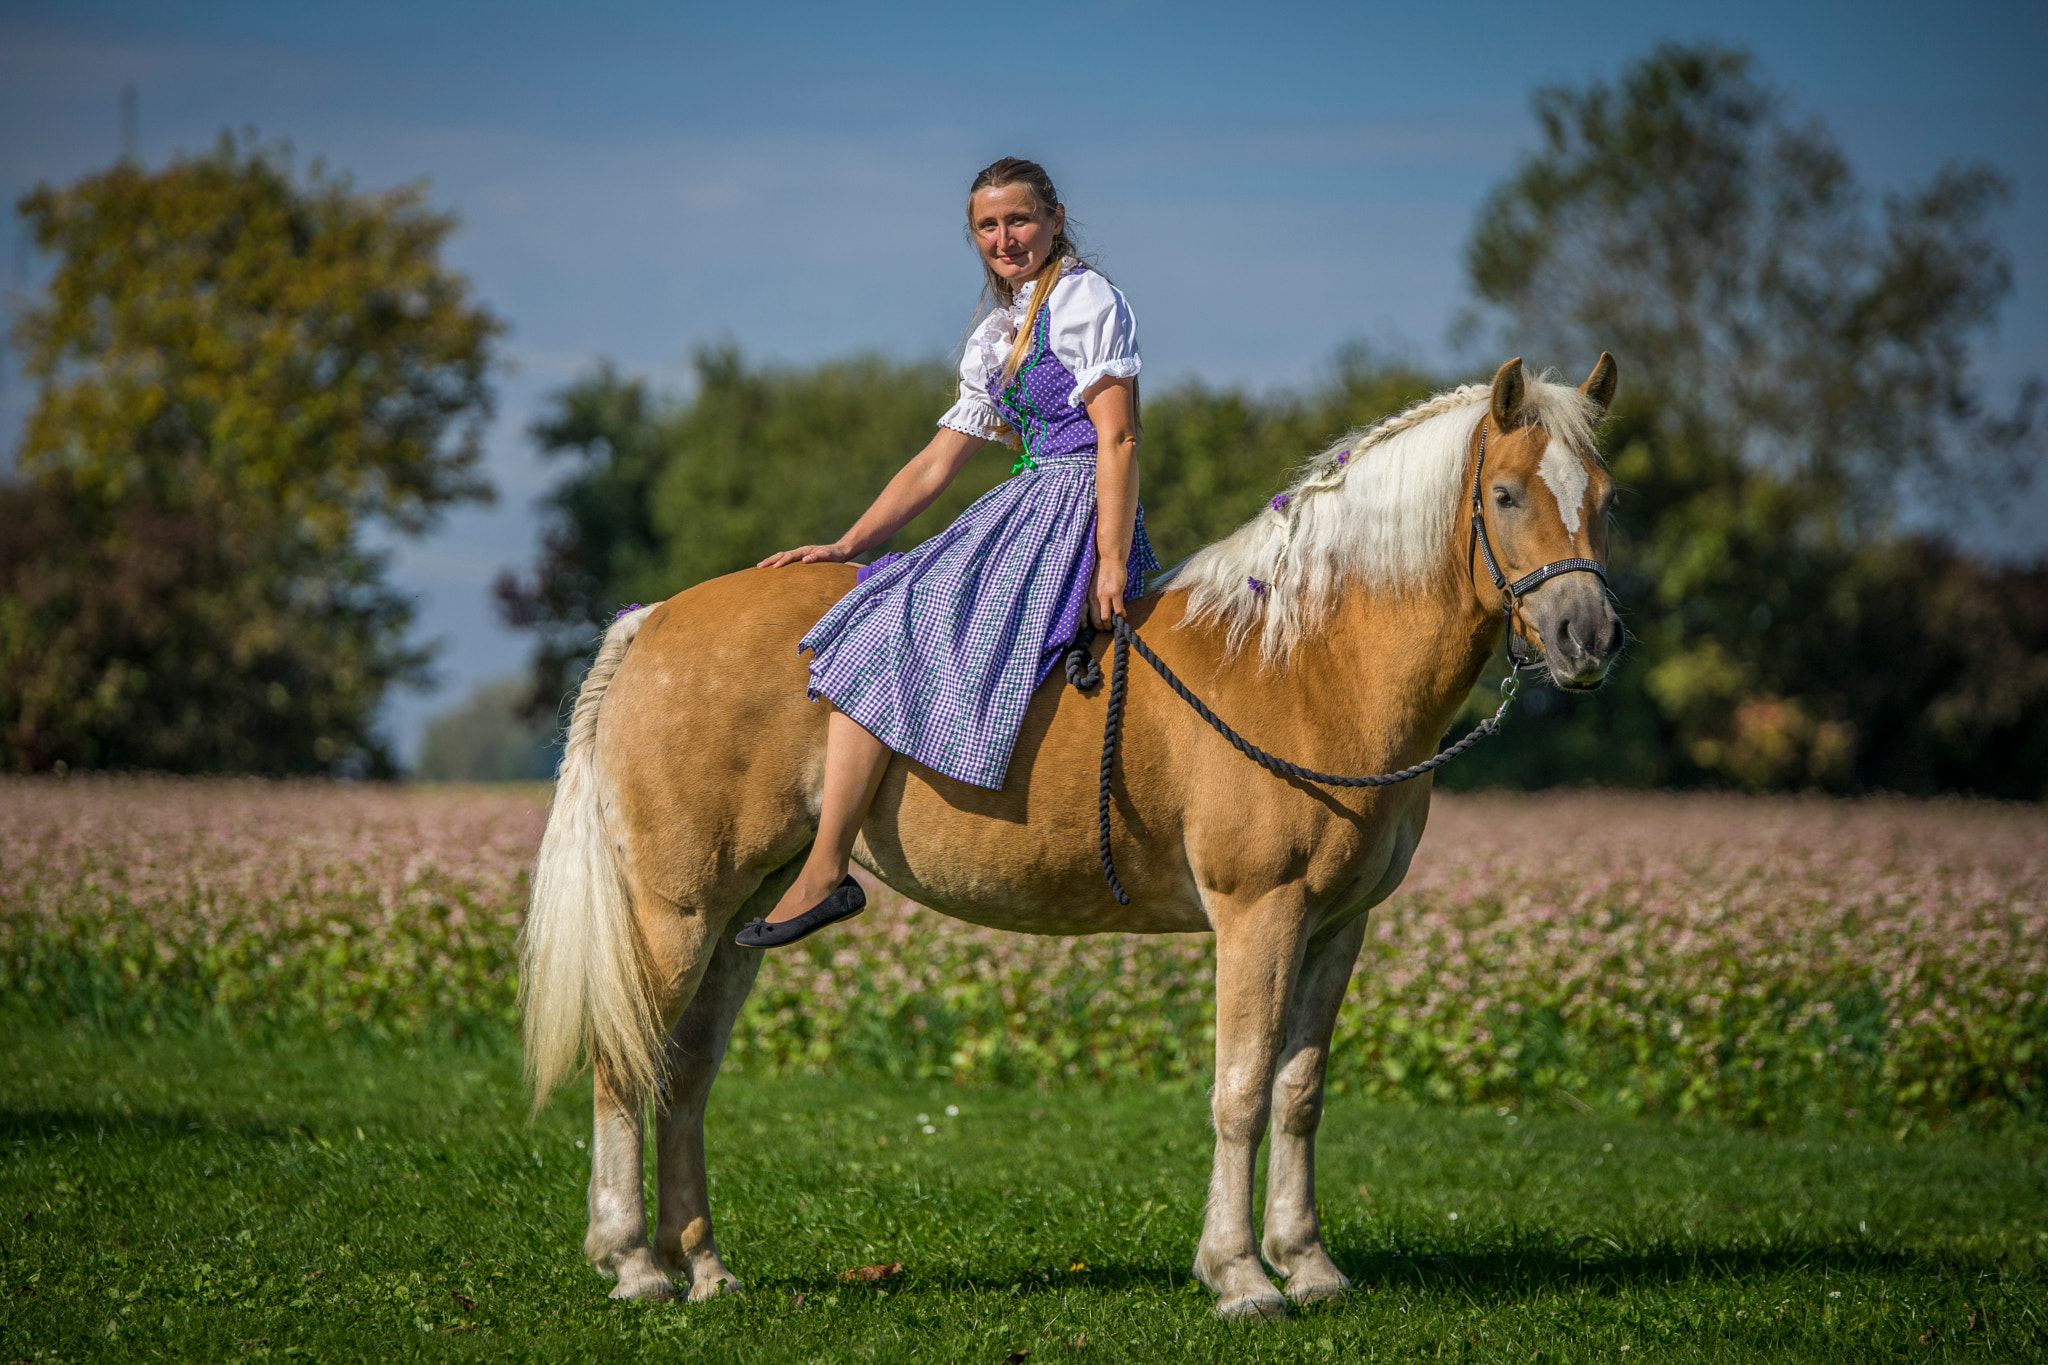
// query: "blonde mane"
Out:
[1376,509]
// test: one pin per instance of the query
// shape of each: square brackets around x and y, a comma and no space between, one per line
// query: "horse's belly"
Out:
[1038,874]
[1021,908]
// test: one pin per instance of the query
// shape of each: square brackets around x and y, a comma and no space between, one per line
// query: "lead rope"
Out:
[1083,671]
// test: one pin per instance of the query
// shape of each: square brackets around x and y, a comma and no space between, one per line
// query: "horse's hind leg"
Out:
[1293,1244]
[680,944]
[683,1244]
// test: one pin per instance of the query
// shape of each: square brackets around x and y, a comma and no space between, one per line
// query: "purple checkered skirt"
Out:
[937,651]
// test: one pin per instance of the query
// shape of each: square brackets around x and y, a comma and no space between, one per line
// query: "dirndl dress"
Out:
[937,650]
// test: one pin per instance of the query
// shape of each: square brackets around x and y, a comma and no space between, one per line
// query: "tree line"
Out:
[1797,370]
[238,371]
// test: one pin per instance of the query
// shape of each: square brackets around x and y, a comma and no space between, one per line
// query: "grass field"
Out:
[208,1200]
[1620,1078]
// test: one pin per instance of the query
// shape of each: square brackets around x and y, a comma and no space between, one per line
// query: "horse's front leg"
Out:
[1293,1244]
[1258,956]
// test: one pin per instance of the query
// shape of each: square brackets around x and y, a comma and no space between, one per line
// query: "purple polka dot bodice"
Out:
[1035,400]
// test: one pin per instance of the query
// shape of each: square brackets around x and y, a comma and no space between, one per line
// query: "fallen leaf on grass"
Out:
[460,1327]
[872,1272]
[1927,1337]
[253,1341]
[796,1300]
[1078,1342]
[468,1304]
[1017,1357]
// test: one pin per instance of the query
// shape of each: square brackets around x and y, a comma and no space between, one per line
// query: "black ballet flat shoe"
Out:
[846,901]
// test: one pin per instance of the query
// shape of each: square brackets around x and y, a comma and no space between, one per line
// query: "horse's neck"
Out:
[1414,656]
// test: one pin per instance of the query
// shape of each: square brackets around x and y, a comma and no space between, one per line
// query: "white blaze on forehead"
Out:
[1566,475]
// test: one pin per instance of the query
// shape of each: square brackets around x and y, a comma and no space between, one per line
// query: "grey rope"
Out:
[1084,672]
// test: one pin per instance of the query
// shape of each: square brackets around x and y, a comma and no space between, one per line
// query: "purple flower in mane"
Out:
[1343,456]
[1279,501]
[1255,585]
[626,610]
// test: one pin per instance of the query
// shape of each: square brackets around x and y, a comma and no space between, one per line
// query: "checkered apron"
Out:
[936,651]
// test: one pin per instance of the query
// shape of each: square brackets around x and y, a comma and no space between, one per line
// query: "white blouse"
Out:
[1093,335]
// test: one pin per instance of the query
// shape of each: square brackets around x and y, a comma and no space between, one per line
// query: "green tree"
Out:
[239,372]
[1683,220]
[1796,364]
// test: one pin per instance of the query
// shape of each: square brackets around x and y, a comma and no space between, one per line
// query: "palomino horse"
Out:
[688,794]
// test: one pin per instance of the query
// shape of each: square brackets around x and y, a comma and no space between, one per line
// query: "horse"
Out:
[1342,627]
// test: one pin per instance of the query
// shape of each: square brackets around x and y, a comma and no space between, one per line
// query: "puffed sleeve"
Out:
[1093,332]
[972,412]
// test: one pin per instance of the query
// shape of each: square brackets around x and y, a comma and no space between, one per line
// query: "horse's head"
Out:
[1545,501]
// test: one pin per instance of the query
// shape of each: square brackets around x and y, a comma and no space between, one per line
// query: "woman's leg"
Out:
[854,761]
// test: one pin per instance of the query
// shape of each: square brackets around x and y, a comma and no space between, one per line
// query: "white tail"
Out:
[580,979]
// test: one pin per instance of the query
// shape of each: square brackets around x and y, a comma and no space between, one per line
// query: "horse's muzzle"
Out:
[1579,630]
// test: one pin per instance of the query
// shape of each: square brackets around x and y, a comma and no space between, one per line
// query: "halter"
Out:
[1511,593]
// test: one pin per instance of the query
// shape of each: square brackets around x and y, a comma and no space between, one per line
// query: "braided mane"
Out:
[1376,508]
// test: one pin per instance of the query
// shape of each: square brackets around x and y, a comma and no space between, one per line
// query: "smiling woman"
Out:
[936,652]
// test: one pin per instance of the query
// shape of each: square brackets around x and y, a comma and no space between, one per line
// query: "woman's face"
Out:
[1013,231]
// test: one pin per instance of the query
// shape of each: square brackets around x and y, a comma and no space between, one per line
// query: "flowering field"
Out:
[1767,961]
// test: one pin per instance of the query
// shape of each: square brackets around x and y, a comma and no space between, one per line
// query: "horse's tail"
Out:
[581,982]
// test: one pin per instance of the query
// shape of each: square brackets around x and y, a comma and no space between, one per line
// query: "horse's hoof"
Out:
[1306,1289]
[651,1285]
[1270,1306]
[712,1286]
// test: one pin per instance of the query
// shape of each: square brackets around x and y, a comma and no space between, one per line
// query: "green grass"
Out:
[206,1200]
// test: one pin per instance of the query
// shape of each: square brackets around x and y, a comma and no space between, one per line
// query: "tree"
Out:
[1727,255]
[239,372]
[1793,364]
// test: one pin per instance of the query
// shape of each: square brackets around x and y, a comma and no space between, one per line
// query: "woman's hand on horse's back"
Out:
[807,554]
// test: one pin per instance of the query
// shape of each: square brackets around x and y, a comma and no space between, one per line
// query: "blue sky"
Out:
[1267,182]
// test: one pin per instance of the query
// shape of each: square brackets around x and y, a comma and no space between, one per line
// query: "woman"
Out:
[936,652]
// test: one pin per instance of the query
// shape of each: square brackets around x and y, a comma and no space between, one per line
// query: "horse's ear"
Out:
[1509,388]
[1599,385]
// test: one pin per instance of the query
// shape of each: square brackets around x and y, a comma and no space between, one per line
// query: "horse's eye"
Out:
[1502,498]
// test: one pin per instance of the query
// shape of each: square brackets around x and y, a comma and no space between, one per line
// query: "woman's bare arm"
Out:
[914,488]
[1112,407]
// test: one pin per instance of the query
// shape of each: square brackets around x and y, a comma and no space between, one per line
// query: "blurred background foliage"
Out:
[239,370]
[495,735]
